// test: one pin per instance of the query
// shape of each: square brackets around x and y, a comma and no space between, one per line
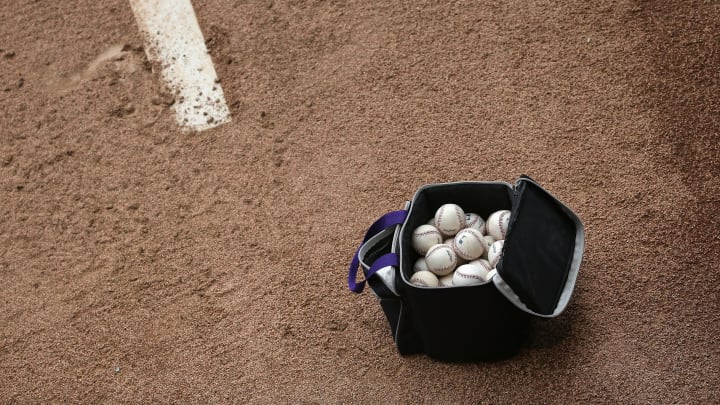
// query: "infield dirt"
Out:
[140,263]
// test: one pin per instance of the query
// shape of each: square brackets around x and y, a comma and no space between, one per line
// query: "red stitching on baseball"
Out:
[502,215]
[461,274]
[438,218]
[497,258]
[419,281]
[478,238]
[432,232]
[461,218]
[485,266]
[444,269]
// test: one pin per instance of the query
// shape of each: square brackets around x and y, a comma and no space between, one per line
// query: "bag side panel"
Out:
[467,323]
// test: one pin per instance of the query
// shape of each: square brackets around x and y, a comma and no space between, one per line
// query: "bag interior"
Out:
[482,198]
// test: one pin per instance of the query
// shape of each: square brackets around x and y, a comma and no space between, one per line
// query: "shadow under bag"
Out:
[535,277]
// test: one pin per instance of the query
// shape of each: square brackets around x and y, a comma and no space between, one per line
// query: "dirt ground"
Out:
[141,263]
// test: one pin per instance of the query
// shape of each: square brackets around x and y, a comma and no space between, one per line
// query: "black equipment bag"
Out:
[535,277]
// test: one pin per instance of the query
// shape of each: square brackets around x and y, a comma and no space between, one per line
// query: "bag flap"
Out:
[542,252]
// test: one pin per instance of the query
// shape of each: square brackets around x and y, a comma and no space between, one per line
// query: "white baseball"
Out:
[441,259]
[495,252]
[449,219]
[469,274]
[489,240]
[497,224]
[447,281]
[475,221]
[469,244]
[425,236]
[424,279]
[420,265]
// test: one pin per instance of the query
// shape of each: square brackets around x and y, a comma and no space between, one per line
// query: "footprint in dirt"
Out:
[122,60]
[123,78]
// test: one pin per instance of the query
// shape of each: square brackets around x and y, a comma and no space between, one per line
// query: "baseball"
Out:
[469,274]
[447,281]
[495,252]
[441,259]
[424,279]
[497,224]
[489,240]
[449,219]
[475,221]
[425,236]
[469,244]
[420,265]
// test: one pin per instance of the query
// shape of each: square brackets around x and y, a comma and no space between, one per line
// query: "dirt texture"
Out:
[141,263]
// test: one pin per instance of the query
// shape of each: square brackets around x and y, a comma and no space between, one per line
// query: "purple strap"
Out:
[386,221]
[388,259]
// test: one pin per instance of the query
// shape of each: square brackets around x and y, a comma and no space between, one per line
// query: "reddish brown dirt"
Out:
[140,263]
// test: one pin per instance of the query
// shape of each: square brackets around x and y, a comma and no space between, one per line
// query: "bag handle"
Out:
[392,218]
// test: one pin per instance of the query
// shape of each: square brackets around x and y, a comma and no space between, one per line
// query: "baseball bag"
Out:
[534,277]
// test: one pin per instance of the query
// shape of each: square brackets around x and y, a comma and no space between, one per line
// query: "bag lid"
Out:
[542,252]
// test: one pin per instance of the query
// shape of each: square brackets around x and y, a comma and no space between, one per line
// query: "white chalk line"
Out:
[174,40]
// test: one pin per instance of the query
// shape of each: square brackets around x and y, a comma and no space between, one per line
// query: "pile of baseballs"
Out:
[458,248]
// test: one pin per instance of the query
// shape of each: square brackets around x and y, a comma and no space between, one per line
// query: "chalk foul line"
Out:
[174,40]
